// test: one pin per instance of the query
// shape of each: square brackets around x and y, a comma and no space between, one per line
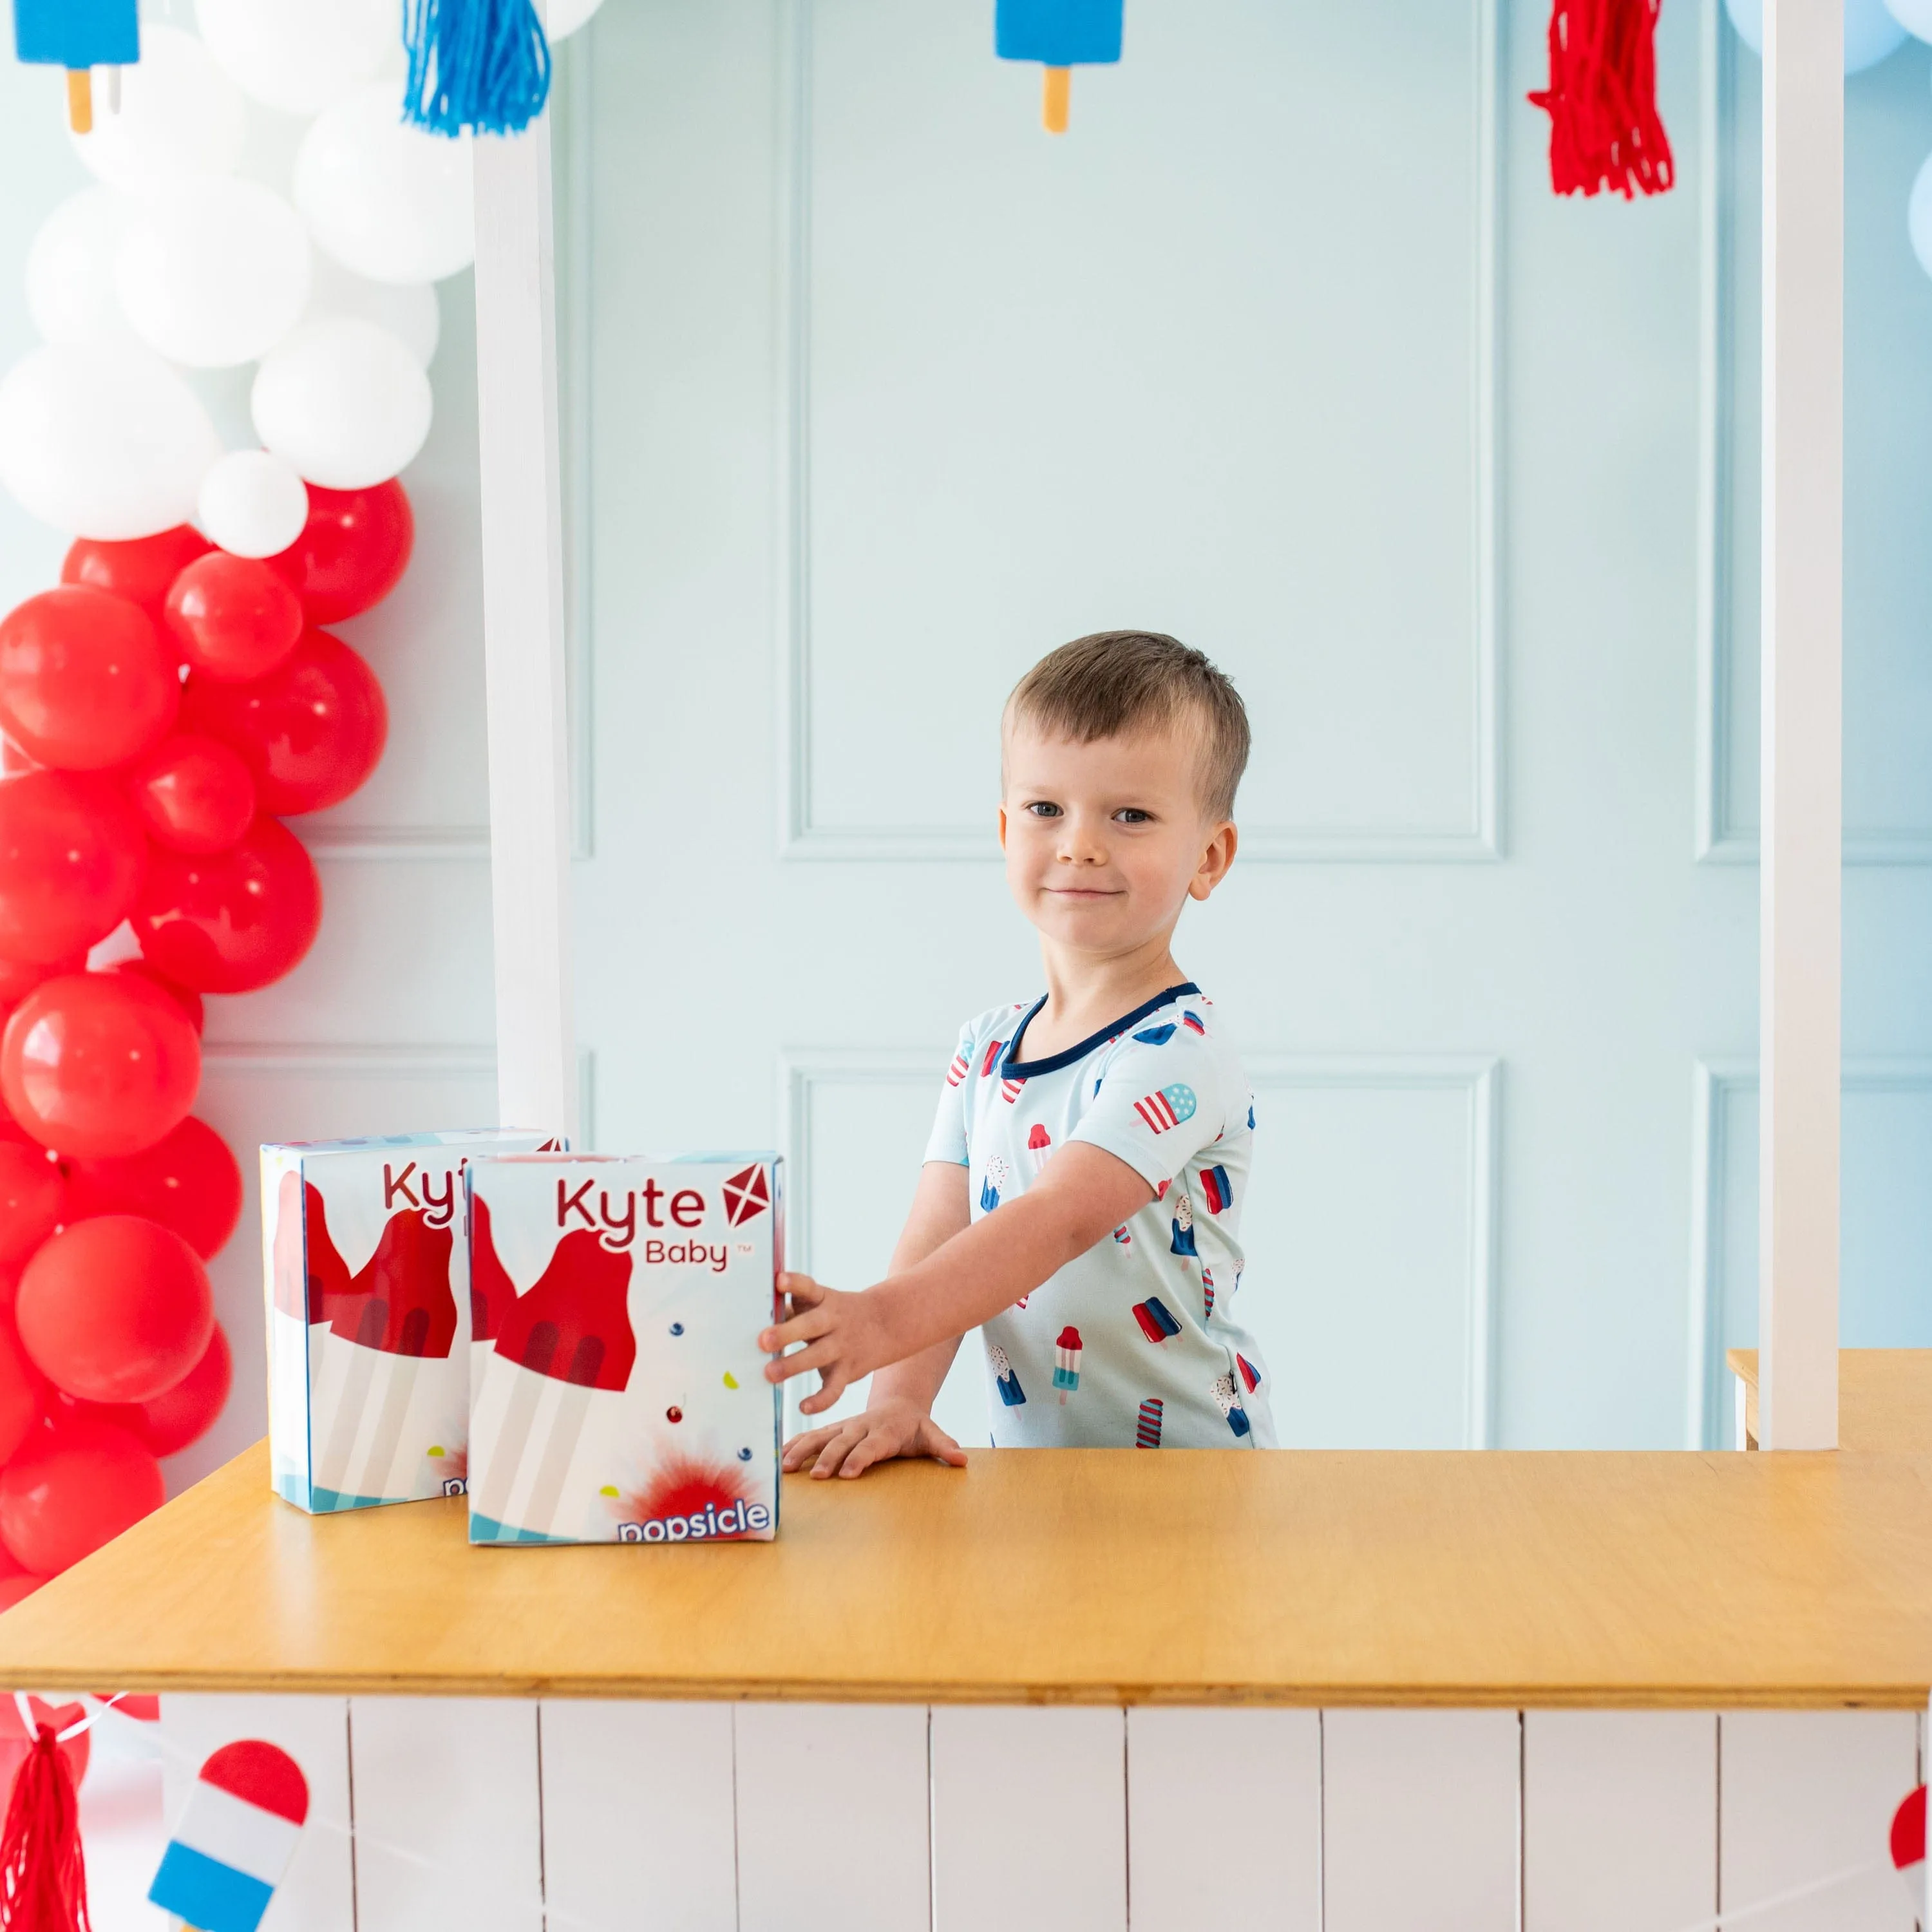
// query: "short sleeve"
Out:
[1157,1105]
[947,1141]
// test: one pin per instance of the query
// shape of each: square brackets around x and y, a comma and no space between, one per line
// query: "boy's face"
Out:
[1105,841]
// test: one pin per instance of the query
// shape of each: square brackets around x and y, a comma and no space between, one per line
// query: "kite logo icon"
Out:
[1216,1189]
[1167,1108]
[235,1838]
[747,1196]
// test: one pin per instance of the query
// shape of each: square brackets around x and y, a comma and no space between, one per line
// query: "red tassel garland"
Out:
[43,1874]
[1602,99]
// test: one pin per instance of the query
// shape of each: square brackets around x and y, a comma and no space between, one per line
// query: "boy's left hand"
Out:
[844,1334]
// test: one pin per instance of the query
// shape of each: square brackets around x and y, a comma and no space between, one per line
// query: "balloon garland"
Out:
[161,708]
[180,691]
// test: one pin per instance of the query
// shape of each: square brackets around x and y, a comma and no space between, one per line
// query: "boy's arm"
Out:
[898,1419]
[1082,1194]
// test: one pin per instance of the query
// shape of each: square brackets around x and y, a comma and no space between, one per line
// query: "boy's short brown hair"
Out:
[1113,683]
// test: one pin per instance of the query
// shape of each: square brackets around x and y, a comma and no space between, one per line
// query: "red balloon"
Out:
[189,1183]
[71,857]
[84,683]
[18,977]
[30,1201]
[234,921]
[189,1001]
[116,1309]
[193,794]
[14,1741]
[185,1413]
[72,1486]
[99,1064]
[141,571]
[233,617]
[20,1390]
[311,732]
[352,551]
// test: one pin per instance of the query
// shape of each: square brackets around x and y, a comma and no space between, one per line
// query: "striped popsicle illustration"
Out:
[1156,1323]
[567,1339]
[1066,1362]
[383,1323]
[234,1840]
[1207,1295]
[1147,1431]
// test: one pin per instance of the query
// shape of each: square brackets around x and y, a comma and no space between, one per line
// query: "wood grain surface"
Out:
[1072,1575]
[1885,1397]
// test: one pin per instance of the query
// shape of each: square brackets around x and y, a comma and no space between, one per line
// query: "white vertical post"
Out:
[523,630]
[1799,878]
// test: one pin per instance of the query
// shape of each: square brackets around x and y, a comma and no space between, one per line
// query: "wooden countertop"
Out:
[1885,1397]
[1074,1576]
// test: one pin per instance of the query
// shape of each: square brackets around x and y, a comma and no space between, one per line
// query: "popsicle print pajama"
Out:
[1138,1342]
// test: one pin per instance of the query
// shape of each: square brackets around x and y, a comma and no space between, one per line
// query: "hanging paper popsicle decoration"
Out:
[77,34]
[234,1839]
[1061,34]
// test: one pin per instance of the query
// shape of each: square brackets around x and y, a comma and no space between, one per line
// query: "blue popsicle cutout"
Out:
[1060,34]
[77,34]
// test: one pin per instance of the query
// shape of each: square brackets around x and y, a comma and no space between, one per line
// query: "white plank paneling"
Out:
[318,1892]
[831,1818]
[1258,1774]
[1619,1819]
[447,1815]
[638,1817]
[1808,1797]
[1029,1818]
[1420,1820]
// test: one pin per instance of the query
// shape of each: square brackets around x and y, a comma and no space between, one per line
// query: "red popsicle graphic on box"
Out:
[368,1313]
[617,1393]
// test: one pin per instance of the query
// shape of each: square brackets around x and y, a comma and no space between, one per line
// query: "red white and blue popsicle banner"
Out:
[234,1840]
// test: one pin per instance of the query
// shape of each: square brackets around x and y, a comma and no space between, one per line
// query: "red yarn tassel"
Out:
[1602,99]
[42,1875]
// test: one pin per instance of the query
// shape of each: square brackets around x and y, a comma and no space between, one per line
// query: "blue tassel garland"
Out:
[481,64]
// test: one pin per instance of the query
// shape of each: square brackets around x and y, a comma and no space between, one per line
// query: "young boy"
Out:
[1081,1198]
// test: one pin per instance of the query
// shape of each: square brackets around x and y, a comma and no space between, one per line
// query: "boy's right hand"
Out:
[850,1448]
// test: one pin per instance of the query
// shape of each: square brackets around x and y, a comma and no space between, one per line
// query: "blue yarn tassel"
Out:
[478,64]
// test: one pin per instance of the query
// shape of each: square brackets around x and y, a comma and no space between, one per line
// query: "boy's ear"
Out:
[1003,828]
[1214,861]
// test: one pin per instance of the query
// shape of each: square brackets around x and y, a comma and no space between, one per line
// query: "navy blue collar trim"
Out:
[1011,1068]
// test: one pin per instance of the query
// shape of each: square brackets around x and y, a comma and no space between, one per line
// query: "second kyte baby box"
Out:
[618,1394]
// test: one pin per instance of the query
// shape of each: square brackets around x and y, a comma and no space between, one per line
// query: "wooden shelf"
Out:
[1077,1576]
[1885,1397]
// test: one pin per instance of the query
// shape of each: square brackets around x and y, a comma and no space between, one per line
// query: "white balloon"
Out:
[103,439]
[563,17]
[1871,32]
[343,402]
[298,54]
[387,201]
[252,504]
[180,115]
[1914,16]
[407,310]
[71,268]
[216,275]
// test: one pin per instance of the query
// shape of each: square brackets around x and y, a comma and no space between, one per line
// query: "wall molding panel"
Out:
[1716,839]
[1477,839]
[1478,1077]
[1707,1422]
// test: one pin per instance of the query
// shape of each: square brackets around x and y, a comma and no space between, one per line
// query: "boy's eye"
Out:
[1132,815]
[1043,808]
